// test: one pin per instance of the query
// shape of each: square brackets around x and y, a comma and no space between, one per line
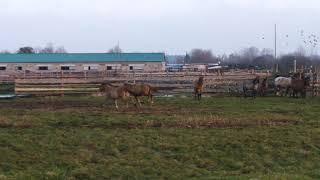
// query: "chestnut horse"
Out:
[198,88]
[115,93]
[138,90]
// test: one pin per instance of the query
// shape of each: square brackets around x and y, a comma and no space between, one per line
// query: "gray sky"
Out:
[171,26]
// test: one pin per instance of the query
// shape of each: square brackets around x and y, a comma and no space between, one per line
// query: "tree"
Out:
[187,59]
[60,50]
[263,62]
[266,52]
[300,51]
[115,49]
[26,50]
[5,52]
[250,53]
[48,49]
[202,56]
[286,64]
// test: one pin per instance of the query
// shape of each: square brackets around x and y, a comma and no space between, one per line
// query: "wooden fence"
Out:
[80,82]
[88,82]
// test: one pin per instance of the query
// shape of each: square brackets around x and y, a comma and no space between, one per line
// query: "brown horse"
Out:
[198,88]
[251,89]
[299,86]
[138,90]
[263,86]
[115,93]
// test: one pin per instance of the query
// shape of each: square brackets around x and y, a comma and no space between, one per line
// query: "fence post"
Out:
[62,85]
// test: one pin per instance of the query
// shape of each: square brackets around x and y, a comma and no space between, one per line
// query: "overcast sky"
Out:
[171,26]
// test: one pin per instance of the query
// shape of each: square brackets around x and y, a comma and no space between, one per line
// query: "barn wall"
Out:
[12,68]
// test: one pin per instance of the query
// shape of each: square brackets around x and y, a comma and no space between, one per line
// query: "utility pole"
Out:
[275,48]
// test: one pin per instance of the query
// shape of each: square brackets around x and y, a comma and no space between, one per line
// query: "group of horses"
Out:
[294,86]
[126,91]
[258,86]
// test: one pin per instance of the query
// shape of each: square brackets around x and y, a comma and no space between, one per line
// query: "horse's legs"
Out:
[138,100]
[127,103]
[131,98]
[303,93]
[135,102]
[287,91]
[151,97]
[294,94]
[116,103]
[276,93]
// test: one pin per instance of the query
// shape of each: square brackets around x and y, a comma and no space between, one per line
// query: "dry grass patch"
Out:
[21,124]
[196,122]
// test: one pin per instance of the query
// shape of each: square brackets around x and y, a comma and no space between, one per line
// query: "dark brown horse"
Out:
[299,86]
[115,93]
[139,90]
[263,87]
[198,88]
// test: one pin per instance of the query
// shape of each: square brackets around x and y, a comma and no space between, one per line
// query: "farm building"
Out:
[78,62]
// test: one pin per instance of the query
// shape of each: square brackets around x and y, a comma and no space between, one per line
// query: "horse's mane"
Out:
[200,80]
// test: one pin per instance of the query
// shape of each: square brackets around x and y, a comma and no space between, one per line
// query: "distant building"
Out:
[78,62]
[174,67]
[194,67]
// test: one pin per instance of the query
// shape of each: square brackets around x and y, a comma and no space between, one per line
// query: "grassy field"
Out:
[177,138]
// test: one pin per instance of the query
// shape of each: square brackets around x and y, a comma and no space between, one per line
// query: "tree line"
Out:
[49,48]
[253,58]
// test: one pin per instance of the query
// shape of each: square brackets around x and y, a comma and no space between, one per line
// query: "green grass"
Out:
[177,138]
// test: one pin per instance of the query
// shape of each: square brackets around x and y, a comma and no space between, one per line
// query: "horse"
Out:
[300,86]
[115,93]
[281,84]
[263,86]
[138,90]
[198,88]
[253,88]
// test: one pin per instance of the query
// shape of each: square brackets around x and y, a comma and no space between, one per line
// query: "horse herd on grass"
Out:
[294,86]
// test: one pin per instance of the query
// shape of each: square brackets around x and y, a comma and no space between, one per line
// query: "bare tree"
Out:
[49,48]
[202,56]
[300,51]
[266,52]
[60,50]
[250,53]
[115,49]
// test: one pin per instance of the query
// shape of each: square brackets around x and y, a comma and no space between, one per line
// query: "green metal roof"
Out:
[82,58]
